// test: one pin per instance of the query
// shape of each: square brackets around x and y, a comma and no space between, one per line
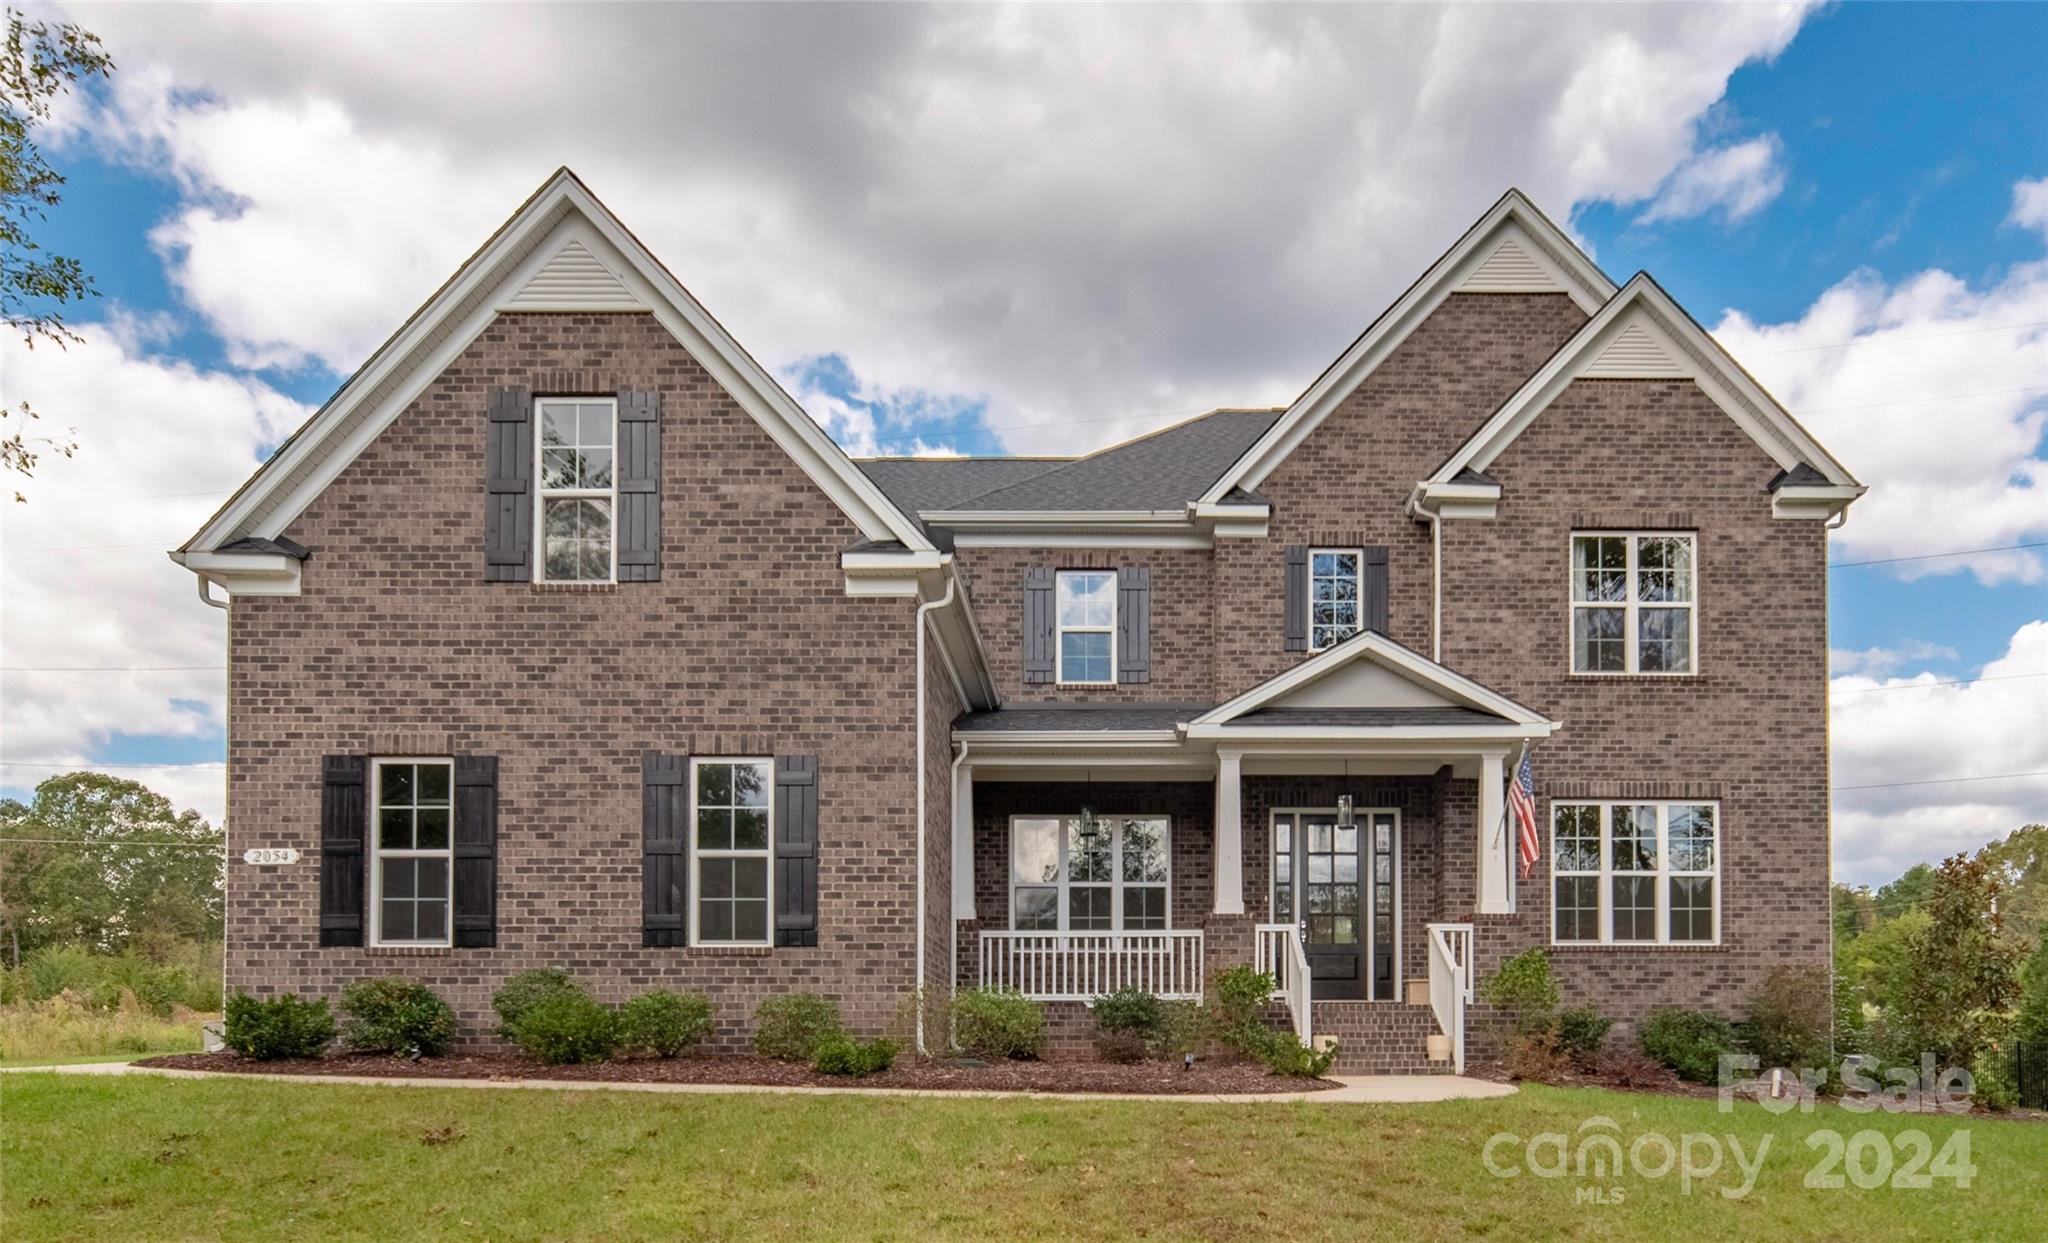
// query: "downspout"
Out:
[206,593]
[918,956]
[953,924]
[1436,571]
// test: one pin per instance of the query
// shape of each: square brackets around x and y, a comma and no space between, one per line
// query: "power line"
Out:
[143,496]
[1881,340]
[113,669]
[1936,781]
[92,767]
[1926,556]
[72,841]
[1914,686]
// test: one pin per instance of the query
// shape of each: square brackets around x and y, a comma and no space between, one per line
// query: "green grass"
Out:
[178,1159]
[65,1029]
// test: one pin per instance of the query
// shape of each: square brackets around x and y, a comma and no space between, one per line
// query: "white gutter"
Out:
[953,924]
[923,609]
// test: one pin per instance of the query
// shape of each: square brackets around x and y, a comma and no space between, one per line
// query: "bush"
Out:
[1284,1054]
[1631,1068]
[1787,1019]
[396,1015]
[526,990]
[1534,1056]
[791,1028]
[1523,990]
[841,1054]
[1690,1042]
[283,1026]
[664,1023]
[1991,1079]
[998,1023]
[566,1028]
[186,974]
[1132,1025]
[1579,1033]
[1237,1009]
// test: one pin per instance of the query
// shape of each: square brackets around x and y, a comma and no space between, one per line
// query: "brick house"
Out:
[562,636]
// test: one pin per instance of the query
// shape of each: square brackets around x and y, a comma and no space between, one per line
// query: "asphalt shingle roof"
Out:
[1367,716]
[1080,718]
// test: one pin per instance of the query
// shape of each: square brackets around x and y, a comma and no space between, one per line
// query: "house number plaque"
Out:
[270,856]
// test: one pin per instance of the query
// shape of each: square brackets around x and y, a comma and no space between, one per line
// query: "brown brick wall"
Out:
[748,645]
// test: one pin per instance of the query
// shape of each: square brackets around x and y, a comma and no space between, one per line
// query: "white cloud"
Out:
[84,582]
[1737,180]
[1914,730]
[1877,662]
[2030,204]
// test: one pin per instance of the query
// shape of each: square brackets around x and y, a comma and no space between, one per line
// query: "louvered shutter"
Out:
[508,490]
[1294,593]
[476,851]
[1038,624]
[1134,624]
[639,484]
[1372,589]
[664,851]
[343,789]
[796,850]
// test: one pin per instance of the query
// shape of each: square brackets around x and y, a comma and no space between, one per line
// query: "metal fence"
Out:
[2030,1073]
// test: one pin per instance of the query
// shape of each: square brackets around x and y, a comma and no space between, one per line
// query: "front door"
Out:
[1338,883]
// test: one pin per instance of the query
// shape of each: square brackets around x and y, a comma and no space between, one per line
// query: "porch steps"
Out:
[1378,1037]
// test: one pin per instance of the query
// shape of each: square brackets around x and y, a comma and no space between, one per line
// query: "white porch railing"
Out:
[1279,954]
[1081,966]
[1450,983]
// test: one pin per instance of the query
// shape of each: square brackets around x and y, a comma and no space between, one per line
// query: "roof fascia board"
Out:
[243,573]
[1503,732]
[1072,737]
[1373,645]
[1581,278]
[1644,302]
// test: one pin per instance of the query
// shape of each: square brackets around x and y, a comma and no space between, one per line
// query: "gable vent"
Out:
[1632,354]
[574,280]
[1510,269]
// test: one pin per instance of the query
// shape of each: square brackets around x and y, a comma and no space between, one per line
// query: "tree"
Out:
[2033,1025]
[1912,889]
[1963,967]
[1854,911]
[107,864]
[1875,964]
[2021,860]
[39,63]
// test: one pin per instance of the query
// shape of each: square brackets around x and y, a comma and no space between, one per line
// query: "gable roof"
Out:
[1513,248]
[1643,332]
[561,250]
[917,484]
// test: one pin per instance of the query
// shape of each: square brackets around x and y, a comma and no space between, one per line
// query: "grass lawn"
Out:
[166,1159]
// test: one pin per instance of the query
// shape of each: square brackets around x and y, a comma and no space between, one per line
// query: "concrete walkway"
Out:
[1357,1089]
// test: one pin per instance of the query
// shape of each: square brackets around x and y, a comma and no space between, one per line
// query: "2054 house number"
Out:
[270,856]
[1871,1159]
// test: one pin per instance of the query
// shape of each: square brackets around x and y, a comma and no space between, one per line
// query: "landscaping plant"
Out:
[791,1028]
[282,1026]
[1237,1009]
[998,1023]
[1690,1042]
[566,1028]
[524,991]
[663,1023]
[1787,1019]
[395,1015]
[841,1054]
[1132,1025]
[1579,1032]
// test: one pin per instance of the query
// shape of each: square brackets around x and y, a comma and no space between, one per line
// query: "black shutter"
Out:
[476,851]
[1038,607]
[639,483]
[1372,589]
[508,499]
[342,793]
[1294,590]
[664,856]
[796,850]
[1134,624]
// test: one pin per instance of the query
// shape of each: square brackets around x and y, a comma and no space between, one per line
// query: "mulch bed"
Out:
[1148,1078]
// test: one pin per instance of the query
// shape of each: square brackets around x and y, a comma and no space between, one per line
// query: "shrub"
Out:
[283,1026]
[1787,1019]
[1631,1068]
[1690,1042]
[524,991]
[1237,1009]
[997,1023]
[841,1054]
[664,1023]
[1991,1079]
[396,1015]
[790,1029]
[1132,1024]
[568,1027]
[1523,990]
[1534,1056]
[1284,1054]
[1579,1032]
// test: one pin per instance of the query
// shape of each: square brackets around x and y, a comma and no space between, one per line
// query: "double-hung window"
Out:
[578,496]
[1106,874]
[412,865]
[1085,610]
[1635,873]
[731,850]
[1633,602]
[1333,596]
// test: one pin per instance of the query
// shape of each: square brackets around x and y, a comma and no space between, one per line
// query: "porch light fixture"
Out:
[1347,816]
[1090,827]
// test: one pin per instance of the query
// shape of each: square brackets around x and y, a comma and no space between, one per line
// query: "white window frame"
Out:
[1664,873]
[696,854]
[1116,883]
[1357,556]
[1060,629]
[1631,665]
[372,830]
[543,494]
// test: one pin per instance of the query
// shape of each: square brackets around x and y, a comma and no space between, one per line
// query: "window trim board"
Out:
[1116,883]
[542,494]
[696,856]
[373,897]
[1631,639]
[1060,629]
[1605,875]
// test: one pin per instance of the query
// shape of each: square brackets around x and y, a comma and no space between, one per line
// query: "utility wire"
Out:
[72,841]
[113,669]
[1927,556]
[1914,686]
[88,766]
[1936,781]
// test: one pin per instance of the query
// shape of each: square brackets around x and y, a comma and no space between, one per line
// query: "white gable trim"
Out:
[1378,648]
[1642,332]
[561,213]
[1511,248]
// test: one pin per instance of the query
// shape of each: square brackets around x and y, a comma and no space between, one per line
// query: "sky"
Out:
[1045,229]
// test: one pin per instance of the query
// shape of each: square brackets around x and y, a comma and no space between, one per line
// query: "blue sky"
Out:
[1892,141]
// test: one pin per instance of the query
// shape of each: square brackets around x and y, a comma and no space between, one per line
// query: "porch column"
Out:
[1495,848]
[1229,836]
[963,842]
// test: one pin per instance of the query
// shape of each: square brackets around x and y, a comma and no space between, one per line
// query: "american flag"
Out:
[1522,801]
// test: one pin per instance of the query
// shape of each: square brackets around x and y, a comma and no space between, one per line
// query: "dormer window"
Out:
[1085,603]
[578,495]
[1333,596]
